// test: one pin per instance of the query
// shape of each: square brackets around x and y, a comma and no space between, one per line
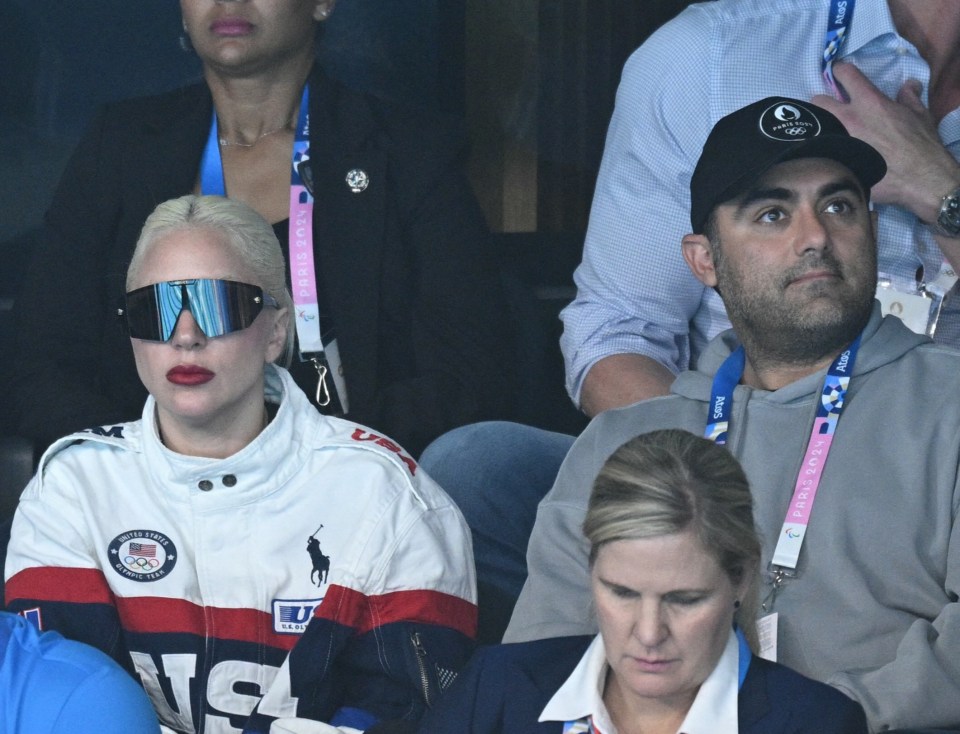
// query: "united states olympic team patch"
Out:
[143,555]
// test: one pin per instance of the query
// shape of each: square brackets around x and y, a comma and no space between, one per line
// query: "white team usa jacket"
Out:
[317,573]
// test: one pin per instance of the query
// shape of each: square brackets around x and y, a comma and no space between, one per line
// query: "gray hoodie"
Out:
[874,608]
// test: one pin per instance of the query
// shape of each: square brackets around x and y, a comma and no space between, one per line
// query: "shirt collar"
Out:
[714,709]
[581,695]
[871,21]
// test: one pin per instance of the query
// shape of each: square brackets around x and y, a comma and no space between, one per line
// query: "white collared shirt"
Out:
[714,710]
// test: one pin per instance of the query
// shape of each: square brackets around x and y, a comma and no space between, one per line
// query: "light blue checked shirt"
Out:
[635,294]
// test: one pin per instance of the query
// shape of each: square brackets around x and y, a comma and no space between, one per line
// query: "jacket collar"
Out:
[254,471]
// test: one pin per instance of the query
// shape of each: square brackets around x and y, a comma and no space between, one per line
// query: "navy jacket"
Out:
[504,689]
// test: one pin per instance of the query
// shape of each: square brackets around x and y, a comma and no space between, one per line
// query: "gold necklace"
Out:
[224,142]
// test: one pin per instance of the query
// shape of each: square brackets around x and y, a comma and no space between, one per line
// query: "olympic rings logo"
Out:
[795,131]
[144,564]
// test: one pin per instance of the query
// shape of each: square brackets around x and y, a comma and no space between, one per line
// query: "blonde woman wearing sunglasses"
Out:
[248,559]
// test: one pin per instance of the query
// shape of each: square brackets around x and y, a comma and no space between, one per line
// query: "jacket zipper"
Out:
[421,654]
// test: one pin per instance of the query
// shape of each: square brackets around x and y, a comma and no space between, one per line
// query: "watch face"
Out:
[948,221]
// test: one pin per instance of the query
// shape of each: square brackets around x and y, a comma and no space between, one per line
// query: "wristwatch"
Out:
[948,219]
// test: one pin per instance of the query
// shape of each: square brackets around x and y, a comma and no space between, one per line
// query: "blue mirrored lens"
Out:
[218,306]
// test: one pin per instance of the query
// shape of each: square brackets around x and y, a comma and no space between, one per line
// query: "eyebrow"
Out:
[780,193]
[610,584]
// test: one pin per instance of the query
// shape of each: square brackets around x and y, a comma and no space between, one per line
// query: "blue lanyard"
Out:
[721,396]
[303,274]
[743,658]
[838,29]
[829,408]
[211,166]
[728,377]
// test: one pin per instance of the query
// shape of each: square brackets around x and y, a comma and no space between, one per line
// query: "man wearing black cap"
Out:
[845,421]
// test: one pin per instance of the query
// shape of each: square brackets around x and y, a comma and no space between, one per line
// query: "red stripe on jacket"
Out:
[71,585]
[364,613]
[150,614]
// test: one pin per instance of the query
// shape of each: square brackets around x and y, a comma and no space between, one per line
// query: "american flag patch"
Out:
[147,550]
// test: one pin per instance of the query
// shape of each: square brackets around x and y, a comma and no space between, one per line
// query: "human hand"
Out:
[920,170]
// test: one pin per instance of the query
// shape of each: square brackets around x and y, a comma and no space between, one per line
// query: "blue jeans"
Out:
[497,473]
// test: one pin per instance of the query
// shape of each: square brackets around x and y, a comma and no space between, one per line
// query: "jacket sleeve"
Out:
[52,573]
[60,306]
[460,334]
[384,643]
[557,554]
[920,687]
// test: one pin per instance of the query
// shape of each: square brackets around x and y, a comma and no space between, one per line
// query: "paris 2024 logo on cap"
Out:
[789,122]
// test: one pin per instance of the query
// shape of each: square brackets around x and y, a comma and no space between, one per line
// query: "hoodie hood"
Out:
[885,340]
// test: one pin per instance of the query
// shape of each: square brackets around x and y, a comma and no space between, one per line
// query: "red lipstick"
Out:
[189,375]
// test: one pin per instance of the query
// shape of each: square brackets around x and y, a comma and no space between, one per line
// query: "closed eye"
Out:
[623,592]
[684,599]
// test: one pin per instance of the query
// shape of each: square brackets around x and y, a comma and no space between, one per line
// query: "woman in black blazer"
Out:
[406,281]
[674,557]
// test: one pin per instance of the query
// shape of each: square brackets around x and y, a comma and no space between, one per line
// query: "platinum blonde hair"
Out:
[246,233]
[671,481]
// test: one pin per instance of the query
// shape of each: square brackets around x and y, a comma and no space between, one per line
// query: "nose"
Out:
[812,234]
[650,626]
[187,334]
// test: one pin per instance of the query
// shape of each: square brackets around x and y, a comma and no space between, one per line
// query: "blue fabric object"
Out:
[744,657]
[50,685]
[497,472]
[353,717]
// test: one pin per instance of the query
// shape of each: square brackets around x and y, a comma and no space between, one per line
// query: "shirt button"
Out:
[229,480]
[205,485]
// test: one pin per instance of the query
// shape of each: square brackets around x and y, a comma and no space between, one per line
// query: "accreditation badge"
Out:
[919,310]
[767,630]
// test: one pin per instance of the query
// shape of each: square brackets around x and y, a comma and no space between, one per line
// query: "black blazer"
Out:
[505,687]
[405,266]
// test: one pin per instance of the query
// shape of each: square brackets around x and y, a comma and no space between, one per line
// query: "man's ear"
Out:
[699,256]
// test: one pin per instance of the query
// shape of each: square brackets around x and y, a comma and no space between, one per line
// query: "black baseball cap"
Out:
[745,143]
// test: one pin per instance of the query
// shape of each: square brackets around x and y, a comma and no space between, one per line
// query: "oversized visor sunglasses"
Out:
[218,306]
